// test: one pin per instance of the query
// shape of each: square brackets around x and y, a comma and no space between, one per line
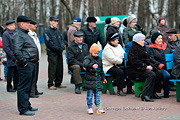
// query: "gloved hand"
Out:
[138,26]
[164,68]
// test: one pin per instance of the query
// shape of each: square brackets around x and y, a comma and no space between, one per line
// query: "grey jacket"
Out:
[176,63]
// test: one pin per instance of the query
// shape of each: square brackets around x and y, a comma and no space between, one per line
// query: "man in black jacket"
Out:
[12,73]
[92,34]
[76,52]
[26,54]
[54,46]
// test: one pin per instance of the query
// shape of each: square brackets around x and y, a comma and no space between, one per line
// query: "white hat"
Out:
[137,37]
[114,20]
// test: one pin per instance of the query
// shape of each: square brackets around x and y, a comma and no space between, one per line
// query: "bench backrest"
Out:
[169,61]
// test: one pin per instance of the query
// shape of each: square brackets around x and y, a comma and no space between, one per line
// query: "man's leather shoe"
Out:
[77,89]
[28,113]
[61,86]
[52,88]
[34,109]
[131,91]
[11,90]
[121,93]
[155,96]
[166,96]
[34,96]
[40,93]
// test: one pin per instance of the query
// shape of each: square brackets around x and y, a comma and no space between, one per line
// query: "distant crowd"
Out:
[21,51]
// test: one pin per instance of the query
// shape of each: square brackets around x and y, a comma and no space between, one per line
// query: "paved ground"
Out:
[63,104]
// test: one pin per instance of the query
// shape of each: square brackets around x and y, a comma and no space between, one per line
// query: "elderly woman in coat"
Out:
[157,52]
[138,66]
[112,58]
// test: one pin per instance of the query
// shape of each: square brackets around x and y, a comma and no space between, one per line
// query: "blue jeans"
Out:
[97,97]
[166,77]
[5,68]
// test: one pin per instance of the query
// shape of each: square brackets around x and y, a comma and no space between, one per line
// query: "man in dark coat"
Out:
[12,73]
[54,46]
[26,54]
[76,52]
[65,34]
[92,34]
[173,39]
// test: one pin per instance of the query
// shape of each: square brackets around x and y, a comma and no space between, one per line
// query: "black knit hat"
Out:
[91,19]
[108,20]
[154,36]
[112,37]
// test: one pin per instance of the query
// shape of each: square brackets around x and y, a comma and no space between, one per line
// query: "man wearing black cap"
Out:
[26,54]
[54,46]
[12,73]
[92,34]
[34,91]
[173,39]
[76,52]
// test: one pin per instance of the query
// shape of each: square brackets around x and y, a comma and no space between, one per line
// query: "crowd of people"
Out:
[146,57]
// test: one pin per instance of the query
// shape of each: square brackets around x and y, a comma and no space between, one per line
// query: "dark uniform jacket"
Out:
[157,55]
[7,47]
[114,29]
[76,55]
[138,60]
[173,44]
[176,62]
[93,77]
[24,48]
[54,41]
[93,36]
[128,34]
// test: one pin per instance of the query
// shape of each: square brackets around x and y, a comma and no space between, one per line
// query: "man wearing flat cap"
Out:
[26,54]
[92,34]
[34,90]
[54,46]
[12,73]
[76,52]
[173,39]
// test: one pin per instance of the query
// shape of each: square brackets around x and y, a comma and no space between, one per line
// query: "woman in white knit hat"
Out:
[131,29]
[138,66]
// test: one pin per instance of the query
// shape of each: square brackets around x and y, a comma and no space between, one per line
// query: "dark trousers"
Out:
[12,74]
[26,77]
[34,90]
[55,70]
[76,70]
[159,78]
[149,77]
[118,74]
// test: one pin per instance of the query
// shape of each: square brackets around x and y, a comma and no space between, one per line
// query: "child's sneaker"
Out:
[100,111]
[90,111]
